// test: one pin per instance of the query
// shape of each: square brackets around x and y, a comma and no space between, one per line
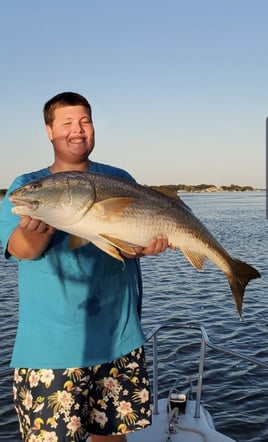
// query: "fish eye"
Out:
[35,186]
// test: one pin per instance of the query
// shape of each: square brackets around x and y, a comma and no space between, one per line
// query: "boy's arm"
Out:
[29,239]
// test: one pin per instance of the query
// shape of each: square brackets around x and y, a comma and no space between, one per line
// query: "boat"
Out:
[180,417]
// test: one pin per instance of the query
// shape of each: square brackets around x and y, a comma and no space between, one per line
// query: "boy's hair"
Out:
[61,100]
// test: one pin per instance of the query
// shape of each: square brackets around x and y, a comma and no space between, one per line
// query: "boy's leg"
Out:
[51,403]
[119,398]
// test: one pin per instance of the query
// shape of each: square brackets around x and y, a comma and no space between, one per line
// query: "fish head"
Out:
[59,199]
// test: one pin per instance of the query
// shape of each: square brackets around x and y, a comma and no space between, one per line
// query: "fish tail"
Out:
[241,274]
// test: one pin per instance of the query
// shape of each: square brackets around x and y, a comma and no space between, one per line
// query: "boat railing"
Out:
[205,342]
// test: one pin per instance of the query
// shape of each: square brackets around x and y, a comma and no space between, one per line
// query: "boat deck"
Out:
[184,428]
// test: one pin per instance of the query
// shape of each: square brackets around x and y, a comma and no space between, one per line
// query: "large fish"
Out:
[116,214]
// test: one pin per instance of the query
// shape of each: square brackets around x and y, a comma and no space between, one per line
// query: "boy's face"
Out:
[71,133]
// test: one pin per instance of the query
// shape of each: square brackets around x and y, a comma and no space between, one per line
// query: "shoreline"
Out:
[176,190]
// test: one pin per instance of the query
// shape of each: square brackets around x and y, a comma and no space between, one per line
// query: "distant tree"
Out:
[172,190]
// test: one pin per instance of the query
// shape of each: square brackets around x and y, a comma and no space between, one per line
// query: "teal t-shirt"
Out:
[77,308]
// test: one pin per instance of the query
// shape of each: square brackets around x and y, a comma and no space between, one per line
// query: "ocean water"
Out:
[234,391]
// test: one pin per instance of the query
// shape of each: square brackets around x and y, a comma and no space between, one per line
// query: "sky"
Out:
[179,88]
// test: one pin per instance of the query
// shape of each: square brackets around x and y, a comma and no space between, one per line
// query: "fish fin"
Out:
[107,248]
[122,245]
[76,242]
[196,259]
[112,206]
[241,275]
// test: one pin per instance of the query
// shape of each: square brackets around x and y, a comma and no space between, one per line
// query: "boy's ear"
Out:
[49,132]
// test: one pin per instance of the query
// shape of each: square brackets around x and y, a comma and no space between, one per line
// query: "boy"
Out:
[78,356]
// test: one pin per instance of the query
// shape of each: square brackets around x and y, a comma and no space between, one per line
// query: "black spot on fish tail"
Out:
[242,273]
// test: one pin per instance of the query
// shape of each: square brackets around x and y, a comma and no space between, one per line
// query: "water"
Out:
[234,391]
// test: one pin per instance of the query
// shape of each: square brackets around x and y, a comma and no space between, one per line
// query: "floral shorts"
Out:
[70,404]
